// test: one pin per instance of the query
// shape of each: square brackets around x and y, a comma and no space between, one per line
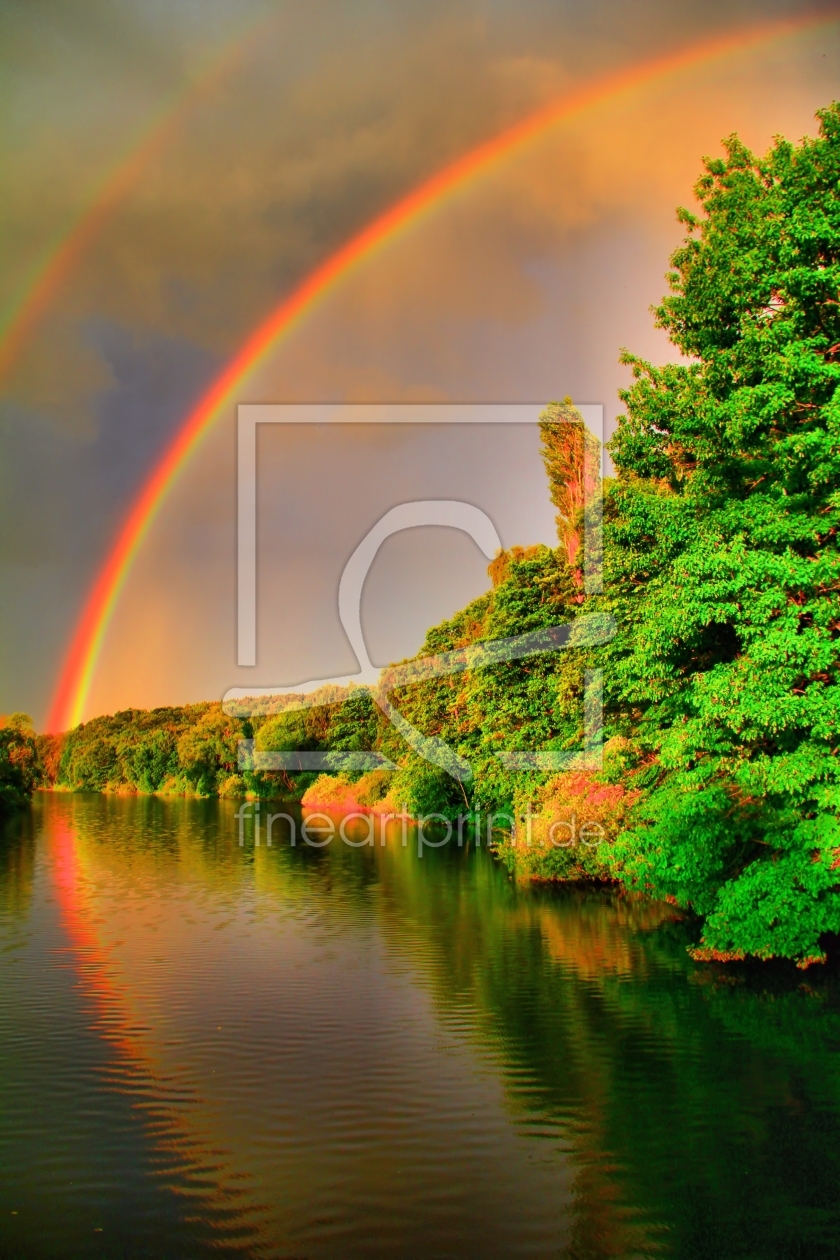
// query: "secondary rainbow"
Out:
[74,684]
[59,260]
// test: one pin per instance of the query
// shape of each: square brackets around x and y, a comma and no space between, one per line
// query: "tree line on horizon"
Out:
[720,785]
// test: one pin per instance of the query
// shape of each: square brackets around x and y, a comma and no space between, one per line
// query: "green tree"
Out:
[294,731]
[723,563]
[512,705]
[19,765]
[89,761]
[153,759]
[208,750]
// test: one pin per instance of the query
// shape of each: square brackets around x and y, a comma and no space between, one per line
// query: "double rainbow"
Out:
[68,706]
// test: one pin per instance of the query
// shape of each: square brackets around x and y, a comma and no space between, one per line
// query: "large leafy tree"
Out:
[723,561]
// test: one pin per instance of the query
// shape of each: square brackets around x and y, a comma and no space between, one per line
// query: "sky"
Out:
[205,157]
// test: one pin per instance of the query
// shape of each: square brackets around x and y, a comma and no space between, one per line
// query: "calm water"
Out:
[358,1052]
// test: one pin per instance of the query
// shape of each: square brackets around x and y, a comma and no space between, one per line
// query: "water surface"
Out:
[358,1051]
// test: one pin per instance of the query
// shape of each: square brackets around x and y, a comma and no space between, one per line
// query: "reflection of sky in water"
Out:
[355,1050]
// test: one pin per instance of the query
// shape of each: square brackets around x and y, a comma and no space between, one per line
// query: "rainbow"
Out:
[59,260]
[75,680]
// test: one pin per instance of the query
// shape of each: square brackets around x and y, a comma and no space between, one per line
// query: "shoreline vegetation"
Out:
[720,784]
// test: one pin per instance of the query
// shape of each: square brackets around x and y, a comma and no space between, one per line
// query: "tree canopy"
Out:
[722,560]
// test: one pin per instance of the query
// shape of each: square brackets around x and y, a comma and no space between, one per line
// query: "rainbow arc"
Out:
[72,691]
[57,263]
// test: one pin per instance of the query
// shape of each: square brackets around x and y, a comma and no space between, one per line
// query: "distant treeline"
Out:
[195,749]
[190,750]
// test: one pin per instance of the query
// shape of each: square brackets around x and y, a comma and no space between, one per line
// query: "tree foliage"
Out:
[190,749]
[19,764]
[723,565]
[571,457]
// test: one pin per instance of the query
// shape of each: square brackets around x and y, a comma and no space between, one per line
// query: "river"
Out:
[366,1050]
